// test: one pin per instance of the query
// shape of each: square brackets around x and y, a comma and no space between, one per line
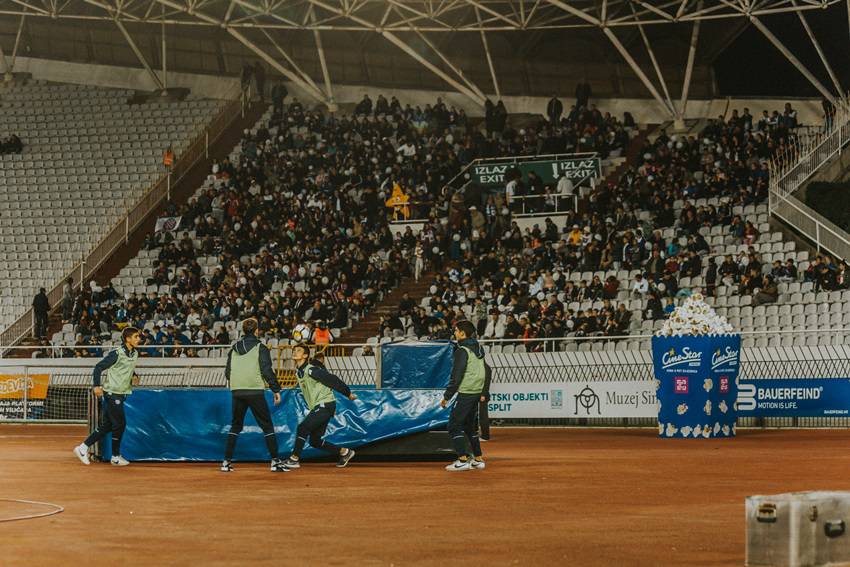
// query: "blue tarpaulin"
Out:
[416,364]
[191,425]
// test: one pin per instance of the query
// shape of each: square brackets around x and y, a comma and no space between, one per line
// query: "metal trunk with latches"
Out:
[798,529]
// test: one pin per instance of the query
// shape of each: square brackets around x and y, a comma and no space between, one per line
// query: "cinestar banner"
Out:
[819,397]
[572,399]
[550,171]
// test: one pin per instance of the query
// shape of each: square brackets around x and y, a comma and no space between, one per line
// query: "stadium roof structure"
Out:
[415,27]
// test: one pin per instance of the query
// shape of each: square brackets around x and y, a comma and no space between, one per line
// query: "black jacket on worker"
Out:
[248,370]
[267,372]
[460,362]
[470,379]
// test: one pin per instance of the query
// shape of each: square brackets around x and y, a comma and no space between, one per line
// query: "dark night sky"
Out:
[752,66]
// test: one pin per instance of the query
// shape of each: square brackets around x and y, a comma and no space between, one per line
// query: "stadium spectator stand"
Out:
[267,235]
[88,156]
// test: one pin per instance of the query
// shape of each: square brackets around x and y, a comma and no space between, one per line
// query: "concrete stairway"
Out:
[368,326]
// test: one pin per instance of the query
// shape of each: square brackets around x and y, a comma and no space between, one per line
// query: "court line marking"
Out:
[56,509]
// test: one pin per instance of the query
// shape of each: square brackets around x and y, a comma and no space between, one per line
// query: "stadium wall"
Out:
[787,386]
[644,110]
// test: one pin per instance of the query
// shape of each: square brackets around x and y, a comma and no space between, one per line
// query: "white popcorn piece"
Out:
[717,428]
[697,430]
[706,432]
[722,406]
[708,384]
[726,430]
[694,317]
[734,429]
[660,428]
[707,407]
[658,384]
[671,430]
[686,430]
[681,409]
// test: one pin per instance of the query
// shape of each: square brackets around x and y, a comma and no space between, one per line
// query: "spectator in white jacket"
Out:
[495,328]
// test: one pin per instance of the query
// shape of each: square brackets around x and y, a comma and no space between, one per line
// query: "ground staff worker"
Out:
[248,370]
[317,386]
[470,379]
[121,364]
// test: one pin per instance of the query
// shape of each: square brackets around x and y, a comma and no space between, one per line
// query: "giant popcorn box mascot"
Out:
[696,358]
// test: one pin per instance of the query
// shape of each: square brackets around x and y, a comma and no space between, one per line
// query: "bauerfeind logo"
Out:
[687,358]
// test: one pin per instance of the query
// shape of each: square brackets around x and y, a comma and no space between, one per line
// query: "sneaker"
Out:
[82,453]
[119,461]
[226,466]
[343,459]
[459,465]
[478,464]
[291,463]
[485,439]
[279,466]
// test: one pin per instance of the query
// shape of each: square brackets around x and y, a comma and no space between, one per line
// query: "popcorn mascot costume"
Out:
[696,358]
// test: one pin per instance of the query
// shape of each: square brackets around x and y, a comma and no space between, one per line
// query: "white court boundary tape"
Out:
[55,509]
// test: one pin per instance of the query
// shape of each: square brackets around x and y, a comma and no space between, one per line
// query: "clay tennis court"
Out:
[549,497]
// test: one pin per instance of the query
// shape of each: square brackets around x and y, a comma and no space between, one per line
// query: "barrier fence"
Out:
[554,387]
[151,198]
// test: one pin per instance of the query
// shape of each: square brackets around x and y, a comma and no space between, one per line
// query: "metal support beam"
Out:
[817,47]
[11,67]
[689,69]
[575,12]
[654,62]
[164,52]
[392,38]
[311,89]
[638,71]
[139,54]
[456,70]
[6,70]
[489,57]
[325,73]
[307,78]
[791,58]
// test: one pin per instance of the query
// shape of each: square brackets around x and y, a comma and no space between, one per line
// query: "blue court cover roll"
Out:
[414,364]
[191,425]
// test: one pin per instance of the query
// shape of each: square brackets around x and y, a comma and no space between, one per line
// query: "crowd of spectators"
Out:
[298,225]
[515,283]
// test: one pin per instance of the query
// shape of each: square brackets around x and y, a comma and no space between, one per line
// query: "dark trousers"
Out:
[40,325]
[255,400]
[313,428]
[111,420]
[484,419]
[463,424]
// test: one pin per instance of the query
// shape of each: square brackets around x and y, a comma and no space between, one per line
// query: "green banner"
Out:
[550,171]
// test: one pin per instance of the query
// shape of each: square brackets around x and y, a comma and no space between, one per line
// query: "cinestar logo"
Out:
[687,358]
[718,359]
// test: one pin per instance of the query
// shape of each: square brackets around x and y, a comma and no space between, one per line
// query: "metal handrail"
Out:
[119,234]
[340,349]
[801,160]
[821,227]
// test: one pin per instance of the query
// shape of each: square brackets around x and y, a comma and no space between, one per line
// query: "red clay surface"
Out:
[548,497]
